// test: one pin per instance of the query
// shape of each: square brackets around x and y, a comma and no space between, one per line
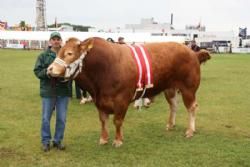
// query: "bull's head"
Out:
[68,62]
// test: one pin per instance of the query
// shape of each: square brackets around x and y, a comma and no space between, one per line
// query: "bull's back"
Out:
[172,63]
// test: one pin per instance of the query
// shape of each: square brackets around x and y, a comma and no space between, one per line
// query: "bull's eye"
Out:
[69,53]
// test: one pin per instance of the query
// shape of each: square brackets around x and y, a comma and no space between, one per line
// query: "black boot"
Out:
[59,146]
[46,147]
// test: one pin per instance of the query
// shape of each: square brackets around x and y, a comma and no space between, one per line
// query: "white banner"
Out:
[16,46]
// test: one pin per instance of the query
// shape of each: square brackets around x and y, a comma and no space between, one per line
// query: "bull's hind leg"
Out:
[189,100]
[171,96]
[104,125]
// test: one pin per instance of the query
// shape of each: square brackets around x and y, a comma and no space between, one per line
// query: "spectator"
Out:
[121,40]
[79,92]
[217,48]
[230,47]
[194,46]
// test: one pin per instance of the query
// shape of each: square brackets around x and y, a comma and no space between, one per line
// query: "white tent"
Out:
[43,36]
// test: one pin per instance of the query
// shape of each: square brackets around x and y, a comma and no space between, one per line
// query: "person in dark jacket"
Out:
[194,46]
[55,95]
[121,40]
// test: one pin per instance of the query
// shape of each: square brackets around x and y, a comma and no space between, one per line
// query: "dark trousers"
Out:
[80,92]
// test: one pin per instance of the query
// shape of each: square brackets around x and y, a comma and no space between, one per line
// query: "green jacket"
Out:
[50,87]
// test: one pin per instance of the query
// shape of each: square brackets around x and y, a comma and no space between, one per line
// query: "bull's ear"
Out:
[90,43]
[87,44]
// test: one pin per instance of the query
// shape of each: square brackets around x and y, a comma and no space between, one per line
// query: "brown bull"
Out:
[109,73]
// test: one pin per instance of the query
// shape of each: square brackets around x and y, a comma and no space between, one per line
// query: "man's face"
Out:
[55,42]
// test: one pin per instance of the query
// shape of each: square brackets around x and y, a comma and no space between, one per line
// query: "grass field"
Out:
[223,122]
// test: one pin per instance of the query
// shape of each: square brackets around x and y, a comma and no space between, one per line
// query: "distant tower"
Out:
[41,22]
[172,19]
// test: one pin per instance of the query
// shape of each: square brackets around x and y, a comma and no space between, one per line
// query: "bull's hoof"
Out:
[170,127]
[147,102]
[189,133]
[103,142]
[83,100]
[117,143]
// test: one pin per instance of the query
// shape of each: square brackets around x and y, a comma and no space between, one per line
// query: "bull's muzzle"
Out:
[54,71]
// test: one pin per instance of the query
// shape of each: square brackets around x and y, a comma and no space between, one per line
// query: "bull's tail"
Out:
[203,56]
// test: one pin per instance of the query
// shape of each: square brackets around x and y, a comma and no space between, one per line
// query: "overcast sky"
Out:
[225,15]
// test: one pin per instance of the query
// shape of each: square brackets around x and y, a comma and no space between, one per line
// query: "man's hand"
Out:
[48,72]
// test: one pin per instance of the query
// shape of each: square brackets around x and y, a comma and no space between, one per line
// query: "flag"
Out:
[243,33]
[199,26]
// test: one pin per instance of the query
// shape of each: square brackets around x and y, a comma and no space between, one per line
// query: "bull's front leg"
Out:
[118,133]
[104,127]
[119,116]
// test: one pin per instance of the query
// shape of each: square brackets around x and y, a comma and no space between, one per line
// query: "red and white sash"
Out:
[143,63]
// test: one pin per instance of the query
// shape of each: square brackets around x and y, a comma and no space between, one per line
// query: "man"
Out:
[55,95]
[194,46]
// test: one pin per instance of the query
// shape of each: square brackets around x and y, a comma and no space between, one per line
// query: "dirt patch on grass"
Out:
[7,153]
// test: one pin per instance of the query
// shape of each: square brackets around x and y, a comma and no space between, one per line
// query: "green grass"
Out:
[223,122]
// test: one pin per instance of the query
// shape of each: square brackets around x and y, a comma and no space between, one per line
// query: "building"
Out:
[149,25]
[146,25]
[62,28]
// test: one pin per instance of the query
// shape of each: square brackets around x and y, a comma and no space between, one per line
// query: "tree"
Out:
[75,27]
[22,25]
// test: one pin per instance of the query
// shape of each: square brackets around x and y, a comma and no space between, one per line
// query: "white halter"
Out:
[74,68]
